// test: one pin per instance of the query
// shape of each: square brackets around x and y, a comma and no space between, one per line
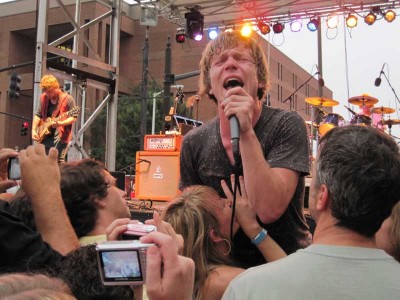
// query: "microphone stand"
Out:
[303,84]
[394,92]
[129,169]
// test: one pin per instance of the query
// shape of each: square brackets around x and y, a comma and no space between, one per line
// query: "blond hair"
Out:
[192,214]
[49,82]
[33,286]
[230,40]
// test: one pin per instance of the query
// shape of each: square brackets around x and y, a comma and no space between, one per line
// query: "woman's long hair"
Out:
[192,214]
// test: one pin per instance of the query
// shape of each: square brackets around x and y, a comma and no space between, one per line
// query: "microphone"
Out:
[234,123]
[379,80]
[321,81]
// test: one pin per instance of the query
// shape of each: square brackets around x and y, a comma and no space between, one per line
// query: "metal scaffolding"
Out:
[79,77]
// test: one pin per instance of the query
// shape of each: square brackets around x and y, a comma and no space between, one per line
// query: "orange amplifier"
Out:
[162,142]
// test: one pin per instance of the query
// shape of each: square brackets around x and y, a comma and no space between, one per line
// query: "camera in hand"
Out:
[14,171]
[135,231]
[122,262]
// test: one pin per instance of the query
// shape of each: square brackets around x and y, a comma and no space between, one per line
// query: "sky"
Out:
[366,47]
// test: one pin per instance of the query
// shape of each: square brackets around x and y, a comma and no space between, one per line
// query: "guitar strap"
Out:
[61,101]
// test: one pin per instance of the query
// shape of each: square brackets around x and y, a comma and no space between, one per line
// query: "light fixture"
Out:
[180,35]
[332,21]
[351,21]
[390,15]
[370,18]
[263,27]
[194,24]
[278,27]
[213,32]
[295,25]
[246,29]
[313,24]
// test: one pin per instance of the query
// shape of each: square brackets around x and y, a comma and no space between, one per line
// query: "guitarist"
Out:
[53,103]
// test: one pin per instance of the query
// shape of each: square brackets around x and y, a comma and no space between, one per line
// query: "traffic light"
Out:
[15,87]
[24,128]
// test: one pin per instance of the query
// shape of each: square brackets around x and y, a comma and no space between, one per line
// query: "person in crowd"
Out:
[355,186]
[22,248]
[388,236]
[273,144]
[202,218]
[85,282]
[33,286]
[92,199]
[52,123]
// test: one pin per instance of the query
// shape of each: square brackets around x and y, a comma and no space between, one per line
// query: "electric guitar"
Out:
[43,128]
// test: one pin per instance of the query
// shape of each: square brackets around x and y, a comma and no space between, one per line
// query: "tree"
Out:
[128,127]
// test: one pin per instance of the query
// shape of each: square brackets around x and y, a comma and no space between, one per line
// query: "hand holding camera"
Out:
[6,182]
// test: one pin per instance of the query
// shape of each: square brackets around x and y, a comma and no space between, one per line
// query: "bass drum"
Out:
[360,120]
[329,122]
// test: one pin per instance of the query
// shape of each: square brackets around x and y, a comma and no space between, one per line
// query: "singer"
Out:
[273,144]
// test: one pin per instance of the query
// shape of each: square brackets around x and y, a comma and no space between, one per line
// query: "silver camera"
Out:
[122,262]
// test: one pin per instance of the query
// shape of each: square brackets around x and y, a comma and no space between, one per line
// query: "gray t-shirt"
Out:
[321,272]
[283,139]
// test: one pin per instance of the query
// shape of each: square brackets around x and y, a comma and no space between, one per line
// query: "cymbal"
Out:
[391,122]
[383,110]
[321,101]
[363,100]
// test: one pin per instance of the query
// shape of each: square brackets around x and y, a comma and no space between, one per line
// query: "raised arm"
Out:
[247,218]
[41,181]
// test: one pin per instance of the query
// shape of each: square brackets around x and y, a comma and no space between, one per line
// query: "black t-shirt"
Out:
[283,139]
[22,249]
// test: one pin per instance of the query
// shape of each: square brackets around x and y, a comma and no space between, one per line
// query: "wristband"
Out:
[260,237]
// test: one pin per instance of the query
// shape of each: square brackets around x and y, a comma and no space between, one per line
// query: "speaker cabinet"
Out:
[157,175]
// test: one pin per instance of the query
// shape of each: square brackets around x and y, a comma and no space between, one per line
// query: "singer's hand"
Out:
[239,103]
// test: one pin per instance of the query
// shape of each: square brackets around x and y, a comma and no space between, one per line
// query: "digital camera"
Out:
[122,262]
[135,231]
[14,171]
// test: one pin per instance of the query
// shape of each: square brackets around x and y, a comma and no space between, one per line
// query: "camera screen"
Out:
[14,171]
[121,265]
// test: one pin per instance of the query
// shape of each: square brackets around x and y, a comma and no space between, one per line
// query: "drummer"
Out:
[368,110]
[366,105]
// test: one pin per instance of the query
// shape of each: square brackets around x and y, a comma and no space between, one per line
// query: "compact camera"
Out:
[14,171]
[135,231]
[122,262]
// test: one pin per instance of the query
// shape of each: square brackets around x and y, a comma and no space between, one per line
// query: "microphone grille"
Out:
[378,81]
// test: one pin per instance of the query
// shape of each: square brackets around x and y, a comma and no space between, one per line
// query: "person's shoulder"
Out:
[218,280]
[200,131]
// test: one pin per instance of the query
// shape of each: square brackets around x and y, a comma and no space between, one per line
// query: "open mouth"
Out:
[233,82]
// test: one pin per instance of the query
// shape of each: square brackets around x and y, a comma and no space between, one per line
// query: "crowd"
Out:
[51,226]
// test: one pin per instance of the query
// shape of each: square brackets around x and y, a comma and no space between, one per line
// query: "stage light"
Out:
[295,25]
[263,27]
[332,21]
[246,29]
[313,24]
[370,18]
[390,15]
[278,27]
[351,21]
[213,32]
[194,24]
[180,36]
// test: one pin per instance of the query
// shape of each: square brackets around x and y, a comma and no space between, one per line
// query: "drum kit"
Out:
[332,120]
